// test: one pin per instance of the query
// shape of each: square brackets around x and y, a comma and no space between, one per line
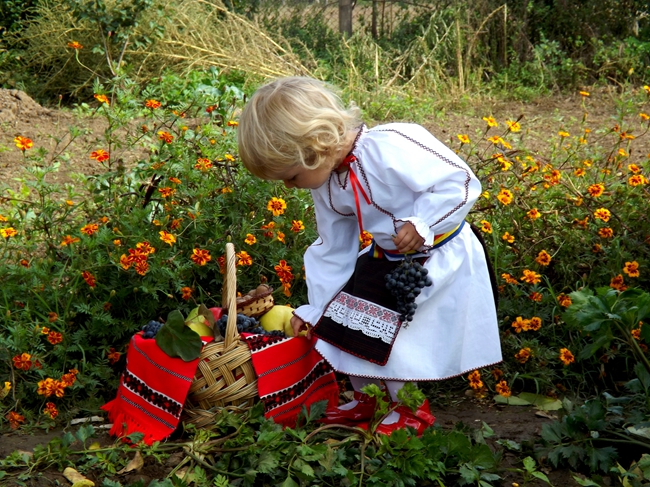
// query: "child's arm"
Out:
[408,239]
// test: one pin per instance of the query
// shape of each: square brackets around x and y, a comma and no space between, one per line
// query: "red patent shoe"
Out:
[419,420]
[362,411]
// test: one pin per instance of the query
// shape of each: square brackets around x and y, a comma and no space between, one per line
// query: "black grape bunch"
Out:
[406,282]
[246,324]
[151,328]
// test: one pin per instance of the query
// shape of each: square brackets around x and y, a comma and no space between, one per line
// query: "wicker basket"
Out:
[225,376]
[256,305]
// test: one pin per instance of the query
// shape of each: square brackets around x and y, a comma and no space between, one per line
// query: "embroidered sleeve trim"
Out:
[369,318]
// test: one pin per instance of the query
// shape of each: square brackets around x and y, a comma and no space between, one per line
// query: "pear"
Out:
[279,318]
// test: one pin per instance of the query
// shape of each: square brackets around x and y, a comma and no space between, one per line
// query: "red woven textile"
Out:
[290,374]
[152,391]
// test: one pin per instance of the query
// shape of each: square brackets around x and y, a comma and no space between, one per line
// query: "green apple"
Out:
[199,323]
[279,318]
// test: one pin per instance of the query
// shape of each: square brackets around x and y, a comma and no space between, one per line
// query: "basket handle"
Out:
[229,295]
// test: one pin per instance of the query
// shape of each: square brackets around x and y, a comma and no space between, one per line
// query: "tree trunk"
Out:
[345,17]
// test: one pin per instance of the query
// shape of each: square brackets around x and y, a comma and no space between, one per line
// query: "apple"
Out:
[199,323]
[279,318]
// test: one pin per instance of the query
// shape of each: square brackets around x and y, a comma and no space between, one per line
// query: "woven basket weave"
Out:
[256,305]
[225,376]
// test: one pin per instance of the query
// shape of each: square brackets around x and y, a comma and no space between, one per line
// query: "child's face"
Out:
[302,177]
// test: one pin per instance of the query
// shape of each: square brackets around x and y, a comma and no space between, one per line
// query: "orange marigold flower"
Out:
[89,278]
[153,104]
[68,379]
[22,361]
[509,279]
[243,258]
[497,374]
[175,180]
[276,206]
[201,256]
[605,232]
[15,419]
[281,237]
[475,381]
[365,238]
[508,238]
[297,226]
[102,99]
[581,223]
[566,357]
[563,133]
[166,191]
[632,269]
[52,316]
[24,263]
[531,277]
[167,237]
[54,337]
[580,172]
[283,270]
[75,45]
[584,93]
[186,293]
[523,355]
[23,143]
[622,152]
[486,226]
[464,139]
[533,214]
[175,224]
[634,168]
[8,232]
[618,283]
[90,228]
[503,389]
[491,121]
[644,116]
[513,126]
[535,296]
[232,123]
[69,239]
[520,324]
[535,323]
[203,164]
[50,410]
[543,258]
[637,180]
[113,355]
[596,190]
[126,262]
[250,239]
[100,155]
[564,300]
[602,214]
[165,136]
[141,267]
[144,248]
[596,248]
[505,196]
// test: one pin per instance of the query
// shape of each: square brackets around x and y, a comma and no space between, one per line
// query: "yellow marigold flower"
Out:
[633,168]
[602,214]
[533,214]
[102,99]
[513,126]
[508,238]
[531,277]
[226,189]
[486,195]
[297,226]
[125,262]
[647,89]
[503,389]
[166,191]
[243,258]
[632,269]
[250,239]
[491,121]
[543,258]
[167,237]
[75,45]
[495,139]
[201,256]
[276,206]
[566,357]
[3,218]
[563,133]
[535,323]
[23,143]
[637,180]
[564,300]
[175,180]
[153,104]
[203,164]
[229,157]
[165,136]
[280,237]
[475,381]
[90,229]
[505,196]
[596,190]
[523,355]
[464,139]
[584,93]
[232,123]
[605,232]
[486,226]
[618,283]
[520,324]
[8,232]
[622,152]
[117,242]
[644,116]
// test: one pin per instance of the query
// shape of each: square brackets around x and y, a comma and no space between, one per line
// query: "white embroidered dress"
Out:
[411,176]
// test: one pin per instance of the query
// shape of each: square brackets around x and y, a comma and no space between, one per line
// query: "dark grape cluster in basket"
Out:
[405,282]
[151,328]
[246,324]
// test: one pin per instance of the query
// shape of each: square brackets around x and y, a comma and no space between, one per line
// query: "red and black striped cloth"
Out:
[291,374]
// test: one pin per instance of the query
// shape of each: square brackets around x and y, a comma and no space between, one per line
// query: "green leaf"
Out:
[529,464]
[85,432]
[585,482]
[266,462]
[178,340]
[511,401]
[541,402]
[289,482]
[541,476]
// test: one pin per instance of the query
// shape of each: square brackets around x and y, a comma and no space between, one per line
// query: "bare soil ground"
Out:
[49,129]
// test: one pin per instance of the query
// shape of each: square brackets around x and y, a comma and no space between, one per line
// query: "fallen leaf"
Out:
[543,414]
[136,464]
[76,478]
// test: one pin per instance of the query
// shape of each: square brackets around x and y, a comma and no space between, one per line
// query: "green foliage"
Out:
[178,340]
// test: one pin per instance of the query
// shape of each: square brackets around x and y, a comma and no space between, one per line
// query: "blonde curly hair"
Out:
[293,121]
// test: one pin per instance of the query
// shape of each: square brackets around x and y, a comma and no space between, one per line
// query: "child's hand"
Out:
[408,239]
[297,325]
